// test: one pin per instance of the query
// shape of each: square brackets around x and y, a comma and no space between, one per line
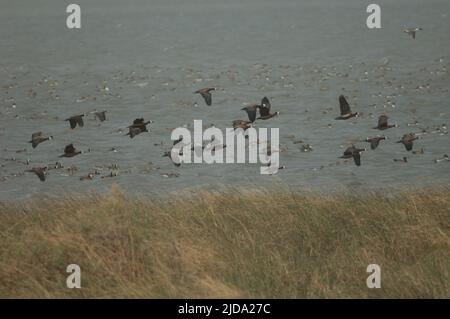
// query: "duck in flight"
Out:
[206,94]
[383,123]
[264,110]
[70,151]
[138,127]
[74,120]
[346,112]
[355,153]
[375,141]
[408,140]
[101,115]
[412,31]
[37,138]
[41,172]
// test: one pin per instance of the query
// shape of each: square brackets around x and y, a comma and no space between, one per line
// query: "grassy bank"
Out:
[258,244]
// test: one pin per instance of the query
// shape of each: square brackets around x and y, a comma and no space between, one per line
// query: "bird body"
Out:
[70,151]
[346,112]
[37,138]
[264,110]
[407,140]
[138,127]
[41,172]
[355,153]
[75,120]
[383,123]
[206,94]
[412,31]
[100,115]
[374,141]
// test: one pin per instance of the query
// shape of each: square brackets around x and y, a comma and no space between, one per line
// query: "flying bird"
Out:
[206,94]
[383,123]
[412,31]
[264,110]
[138,127]
[70,151]
[41,172]
[74,120]
[100,115]
[355,153]
[346,112]
[37,138]
[408,140]
[375,141]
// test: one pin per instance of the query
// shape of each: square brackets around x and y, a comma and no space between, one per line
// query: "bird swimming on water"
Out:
[74,120]
[412,31]
[407,140]
[355,153]
[383,123]
[206,94]
[37,138]
[346,112]
[70,151]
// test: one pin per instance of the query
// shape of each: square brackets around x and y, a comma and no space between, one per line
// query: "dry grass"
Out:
[259,245]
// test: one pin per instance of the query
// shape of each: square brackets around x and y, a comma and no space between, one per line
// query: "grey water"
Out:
[146,58]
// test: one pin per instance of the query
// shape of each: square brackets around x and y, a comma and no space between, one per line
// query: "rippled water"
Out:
[145,58]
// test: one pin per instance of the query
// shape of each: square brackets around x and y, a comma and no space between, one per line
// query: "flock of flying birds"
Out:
[139,126]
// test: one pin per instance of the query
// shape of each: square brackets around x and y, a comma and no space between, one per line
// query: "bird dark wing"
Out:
[251,112]
[374,143]
[208,97]
[41,174]
[134,131]
[73,123]
[69,149]
[345,108]
[357,158]
[383,121]
[101,115]
[264,108]
[408,145]
[138,121]
[79,120]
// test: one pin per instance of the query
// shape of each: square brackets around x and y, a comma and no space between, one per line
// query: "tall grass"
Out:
[257,244]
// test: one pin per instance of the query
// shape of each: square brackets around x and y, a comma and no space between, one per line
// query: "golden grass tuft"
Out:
[235,244]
